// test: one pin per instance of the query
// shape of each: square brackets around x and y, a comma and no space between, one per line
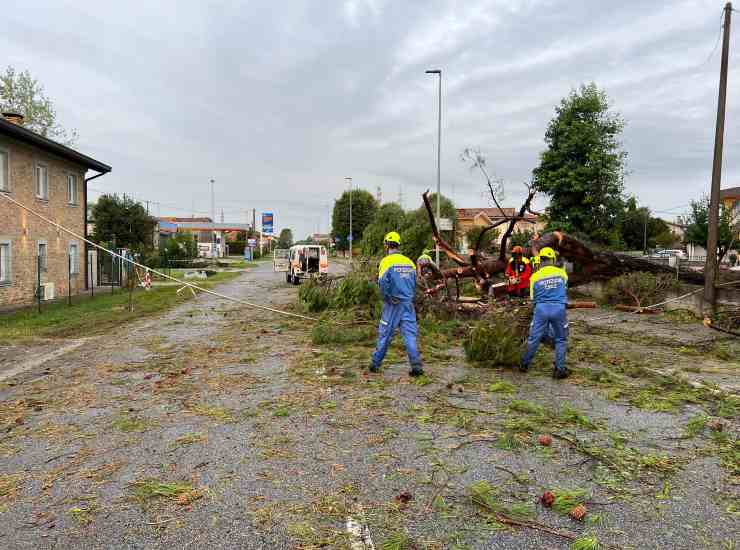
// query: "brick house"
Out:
[467,218]
[48,178]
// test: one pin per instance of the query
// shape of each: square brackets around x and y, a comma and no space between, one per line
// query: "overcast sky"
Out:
[280,101]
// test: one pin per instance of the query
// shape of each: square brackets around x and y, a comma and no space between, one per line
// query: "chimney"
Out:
[15,118]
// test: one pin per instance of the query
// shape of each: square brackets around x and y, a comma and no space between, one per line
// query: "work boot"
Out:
[416,370]
[374,369]
[523,367]
[558,374]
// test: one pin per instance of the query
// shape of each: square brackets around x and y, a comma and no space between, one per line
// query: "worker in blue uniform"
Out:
[548,288]
[397,281]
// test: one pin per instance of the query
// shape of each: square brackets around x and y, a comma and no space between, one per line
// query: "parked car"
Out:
[306,261]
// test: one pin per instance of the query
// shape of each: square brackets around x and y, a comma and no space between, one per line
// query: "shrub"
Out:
[355,290]
[236,248]
[314,297]
[639,288]
[493,342]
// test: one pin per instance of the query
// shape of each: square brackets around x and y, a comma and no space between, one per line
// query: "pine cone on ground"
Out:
[578,512]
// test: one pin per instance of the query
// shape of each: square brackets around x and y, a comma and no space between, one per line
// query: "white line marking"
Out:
[359,535]
[38,361]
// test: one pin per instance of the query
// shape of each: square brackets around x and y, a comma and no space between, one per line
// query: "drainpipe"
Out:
[84,200]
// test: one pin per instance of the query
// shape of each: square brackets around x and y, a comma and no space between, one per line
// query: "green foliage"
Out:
[181,246]
[327,333]
[123,221]
[389,217]
[586,542]
[236,248]
[633,224]
[567,499]
[485,496]
[697,230]
[520,237]
[363,211]
[416,235]
[356,290]
[574,416]
[314,296]
[582,170]
[23,94]
[397,541]
[639,288]
[696,425]
[492,343]
[151,489]
[285,240]
[490,239]
[502,387]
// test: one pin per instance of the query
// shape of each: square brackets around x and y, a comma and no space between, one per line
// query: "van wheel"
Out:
[288,277]
[296,280]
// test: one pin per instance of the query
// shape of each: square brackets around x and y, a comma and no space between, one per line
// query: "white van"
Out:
[306,261]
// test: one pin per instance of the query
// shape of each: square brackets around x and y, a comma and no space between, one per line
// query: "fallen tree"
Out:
[588,264]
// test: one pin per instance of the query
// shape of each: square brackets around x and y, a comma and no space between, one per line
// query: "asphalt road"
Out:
[213,394]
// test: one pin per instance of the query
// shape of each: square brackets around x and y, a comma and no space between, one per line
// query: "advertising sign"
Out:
[267,223]
[252,242]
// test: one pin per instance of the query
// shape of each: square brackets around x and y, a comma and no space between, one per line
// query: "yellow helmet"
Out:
[392,237]
[548,252]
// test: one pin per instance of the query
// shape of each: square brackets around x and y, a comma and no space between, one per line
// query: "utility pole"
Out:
[254,219]
[644,234]
[213,203]
[710,267]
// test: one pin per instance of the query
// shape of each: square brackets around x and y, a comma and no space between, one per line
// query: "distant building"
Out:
[47,177]
[322,238]
[467,218]
[211,238]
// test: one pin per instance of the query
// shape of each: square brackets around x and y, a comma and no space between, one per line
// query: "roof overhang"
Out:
[32,138]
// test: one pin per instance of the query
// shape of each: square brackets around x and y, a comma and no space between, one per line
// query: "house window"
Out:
[42,182]
[42,256]
[74,259]
[5,263]
[4,171]
[72,188]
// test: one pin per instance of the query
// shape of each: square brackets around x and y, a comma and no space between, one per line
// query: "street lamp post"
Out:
[349,238]
[438,72]
[213,220]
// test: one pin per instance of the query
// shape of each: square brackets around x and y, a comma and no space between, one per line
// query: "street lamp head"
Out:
[434,71]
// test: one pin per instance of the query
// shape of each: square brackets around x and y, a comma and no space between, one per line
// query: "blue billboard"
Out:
[267,227]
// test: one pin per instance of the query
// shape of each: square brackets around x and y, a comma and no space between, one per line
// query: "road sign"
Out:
[267,226]
[252,242]
[444,224]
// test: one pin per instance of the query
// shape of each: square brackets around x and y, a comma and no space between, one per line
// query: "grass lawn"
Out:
[94,315]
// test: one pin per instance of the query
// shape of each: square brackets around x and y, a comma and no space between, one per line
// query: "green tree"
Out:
[23,94]
[520,237]
[285,240]
[123,221]
[490,239]
[364,206]
[416,235]
[389,217]
[697,231]
[181,246]
[582,170]
[637,223]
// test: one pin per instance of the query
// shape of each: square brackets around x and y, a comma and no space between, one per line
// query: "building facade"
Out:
[48,178]
[468,218]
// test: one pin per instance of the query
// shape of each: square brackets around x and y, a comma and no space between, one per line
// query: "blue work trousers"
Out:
[397,316]
[549,320]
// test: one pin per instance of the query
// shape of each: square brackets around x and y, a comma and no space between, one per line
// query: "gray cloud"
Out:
[279,102]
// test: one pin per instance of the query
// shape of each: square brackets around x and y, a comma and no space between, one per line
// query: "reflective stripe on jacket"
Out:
[397,278]
[549,285]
